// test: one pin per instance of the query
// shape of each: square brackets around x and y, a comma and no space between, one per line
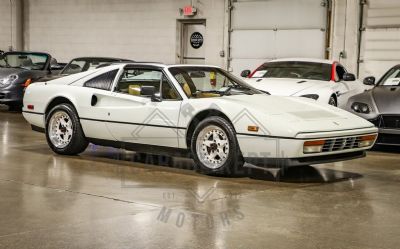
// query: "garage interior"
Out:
[114,198]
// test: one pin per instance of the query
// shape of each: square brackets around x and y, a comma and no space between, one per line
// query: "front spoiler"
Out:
[301,161]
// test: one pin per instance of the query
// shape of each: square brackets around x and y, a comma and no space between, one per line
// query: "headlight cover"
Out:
[361,107]
[311,96]
[8,80]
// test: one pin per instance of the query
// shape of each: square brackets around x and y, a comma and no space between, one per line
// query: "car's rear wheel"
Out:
[64,133]
[332,101]
[215,148]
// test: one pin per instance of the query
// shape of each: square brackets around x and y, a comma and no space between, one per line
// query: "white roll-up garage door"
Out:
[380,46]
[262,30]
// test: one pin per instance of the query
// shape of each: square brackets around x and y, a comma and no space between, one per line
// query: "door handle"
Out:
[93,102]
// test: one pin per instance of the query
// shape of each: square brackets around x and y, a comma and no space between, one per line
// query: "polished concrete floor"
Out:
[106,198]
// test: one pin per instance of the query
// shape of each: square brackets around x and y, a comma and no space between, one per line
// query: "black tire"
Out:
[78,142]
[332,101]
[234,162]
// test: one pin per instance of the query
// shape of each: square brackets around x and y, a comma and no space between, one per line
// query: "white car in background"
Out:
[201,111]
[322,80]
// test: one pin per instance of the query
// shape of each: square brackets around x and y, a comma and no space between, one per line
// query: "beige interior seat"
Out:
[134,90]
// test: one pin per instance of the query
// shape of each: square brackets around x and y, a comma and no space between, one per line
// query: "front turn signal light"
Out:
[367,140]
[27,83]
[314,146]
[253,128]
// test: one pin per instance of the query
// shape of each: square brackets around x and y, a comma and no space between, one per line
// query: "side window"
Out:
[340,72]
[103,81]
[168,91]
[132,80]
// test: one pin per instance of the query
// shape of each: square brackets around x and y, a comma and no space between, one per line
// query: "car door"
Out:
[134,117]
[343,89]
[95,99]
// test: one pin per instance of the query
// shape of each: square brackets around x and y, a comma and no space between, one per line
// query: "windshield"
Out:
[30,61]
[206,82]
[82,65]
[294,70]
[391,78]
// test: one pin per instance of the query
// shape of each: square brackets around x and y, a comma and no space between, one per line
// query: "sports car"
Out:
[326,81]
[198,111]
[83,64]
[18,70]
[380,105]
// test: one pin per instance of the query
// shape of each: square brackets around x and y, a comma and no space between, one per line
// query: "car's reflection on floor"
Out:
[299,174]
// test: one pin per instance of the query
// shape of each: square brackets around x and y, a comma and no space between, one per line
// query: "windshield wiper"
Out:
[237,87]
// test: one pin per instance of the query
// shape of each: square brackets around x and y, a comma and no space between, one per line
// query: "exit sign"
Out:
[189,10]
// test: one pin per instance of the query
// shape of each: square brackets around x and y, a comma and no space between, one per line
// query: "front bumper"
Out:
[270,151]
[13,94]
[301,161]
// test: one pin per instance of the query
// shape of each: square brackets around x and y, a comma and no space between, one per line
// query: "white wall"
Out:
[142,30]
[8,25]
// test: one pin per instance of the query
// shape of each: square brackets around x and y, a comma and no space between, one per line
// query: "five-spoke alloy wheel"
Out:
[215,148]
[64,132]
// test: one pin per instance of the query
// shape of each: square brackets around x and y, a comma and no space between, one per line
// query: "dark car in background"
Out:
[83,64]
[381,106]
[18,70]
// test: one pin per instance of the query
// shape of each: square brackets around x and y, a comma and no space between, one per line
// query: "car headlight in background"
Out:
[311,96]
[360,108]
[8,80]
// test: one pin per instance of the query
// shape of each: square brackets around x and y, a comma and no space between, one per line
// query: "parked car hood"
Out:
[5,72]
[387,99]
[285,87]
[295,114]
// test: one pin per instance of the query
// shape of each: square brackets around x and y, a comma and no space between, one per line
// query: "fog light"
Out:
[366,141]
[313,146]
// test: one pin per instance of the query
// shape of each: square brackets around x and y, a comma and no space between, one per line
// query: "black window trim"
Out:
[100,74]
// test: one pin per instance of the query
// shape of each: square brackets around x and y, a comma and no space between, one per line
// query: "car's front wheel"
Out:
[215,148]
[64,132]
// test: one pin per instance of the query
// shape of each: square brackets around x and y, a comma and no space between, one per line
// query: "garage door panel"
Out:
[375,68]
[373,4]
[281,14]
[380,45]
[300,43]
[253,44]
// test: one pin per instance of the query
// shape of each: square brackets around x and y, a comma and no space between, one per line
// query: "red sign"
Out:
[189,10]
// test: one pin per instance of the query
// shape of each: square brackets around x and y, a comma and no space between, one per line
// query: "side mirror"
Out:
[147,90]
[349,77]
[369,81]
[245,73]
[150,91]
[56,67]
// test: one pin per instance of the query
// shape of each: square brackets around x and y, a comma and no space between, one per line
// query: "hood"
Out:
[285,87]
[387,99]
[23,74]
[295,114]
[5,72]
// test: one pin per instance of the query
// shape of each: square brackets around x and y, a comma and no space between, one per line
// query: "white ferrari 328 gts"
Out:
[200,111]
